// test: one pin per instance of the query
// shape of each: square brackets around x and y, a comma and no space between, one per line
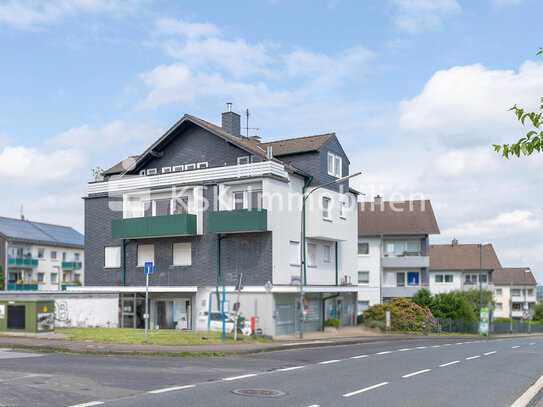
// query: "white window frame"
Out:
[117,258]
[294,253]
[42,251]
[498,292]
[358,277]
[336,169]
[445,278]
[441,277]
[328,209]
[327,254]
[177,168]
[358,250]
[499,306]
[42,274]
[151,171]
[141,260]
[342,207]
[244,159]
[311,258]
[186,249]
[190,166]
[142,172]
[166,170]
[55,275]
[204,164]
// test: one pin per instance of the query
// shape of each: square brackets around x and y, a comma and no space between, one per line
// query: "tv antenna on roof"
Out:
[247,121]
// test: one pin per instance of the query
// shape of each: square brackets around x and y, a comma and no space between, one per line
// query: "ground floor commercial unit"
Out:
[367,296]
[276,309]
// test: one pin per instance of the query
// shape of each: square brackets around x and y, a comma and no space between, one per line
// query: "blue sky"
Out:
[417,91]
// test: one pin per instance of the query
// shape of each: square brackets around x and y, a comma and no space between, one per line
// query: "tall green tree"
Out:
[533,140]
[423,298]
[473,298]
[538,312]
[451,305]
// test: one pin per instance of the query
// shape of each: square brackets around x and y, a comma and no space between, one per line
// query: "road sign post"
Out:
[148,270]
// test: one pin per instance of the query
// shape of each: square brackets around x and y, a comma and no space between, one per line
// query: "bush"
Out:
[538,312]
[402,312]
[502,320]
[423,298]
[450,305]
[473,298]
[336,323]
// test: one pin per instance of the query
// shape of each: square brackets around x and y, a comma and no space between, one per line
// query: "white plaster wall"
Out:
[438,288]
[372,261]
[86,312]
[333,228]
[48,265]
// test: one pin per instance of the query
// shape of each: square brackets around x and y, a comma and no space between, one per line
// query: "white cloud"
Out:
[170,26]
[32,14]
[415,16]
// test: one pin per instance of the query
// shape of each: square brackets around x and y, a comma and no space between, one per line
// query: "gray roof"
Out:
[299,145]
[514,275]
[463,257]
[41,233]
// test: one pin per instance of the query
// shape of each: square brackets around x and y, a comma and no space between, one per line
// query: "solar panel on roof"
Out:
[28,230]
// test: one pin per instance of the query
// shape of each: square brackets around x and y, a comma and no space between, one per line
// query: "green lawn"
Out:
[154,337]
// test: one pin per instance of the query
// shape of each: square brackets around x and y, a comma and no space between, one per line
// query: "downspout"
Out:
[306,184]
[381,271]
[219,238]
[336,266]
[323,306]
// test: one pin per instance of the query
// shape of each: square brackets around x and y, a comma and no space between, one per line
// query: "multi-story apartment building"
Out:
[39,256]
[393,241]
[514,293]
[457,267]
[207,205]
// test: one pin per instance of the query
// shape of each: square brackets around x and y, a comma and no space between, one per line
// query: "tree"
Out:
[538,312]
[533,141]
[451,305]
[98,173]
[473,298]
[423,298]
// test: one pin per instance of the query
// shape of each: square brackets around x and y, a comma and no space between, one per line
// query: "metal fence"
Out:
[448,326]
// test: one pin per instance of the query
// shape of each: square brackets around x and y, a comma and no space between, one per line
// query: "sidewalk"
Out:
[316,339]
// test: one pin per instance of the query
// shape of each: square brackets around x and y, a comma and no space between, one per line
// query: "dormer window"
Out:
[203,165]
[244,160]
[151,171]
[166,169]
[142,172]
[176,168]
[334,165]
[190,167]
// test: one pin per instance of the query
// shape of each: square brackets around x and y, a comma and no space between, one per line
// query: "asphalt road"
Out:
[432,372]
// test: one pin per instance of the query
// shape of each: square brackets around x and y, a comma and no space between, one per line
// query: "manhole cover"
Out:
[259,392]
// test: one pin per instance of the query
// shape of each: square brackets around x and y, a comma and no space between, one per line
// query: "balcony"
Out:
[22,287]
[71,265]
[475,286]
[406,261]
[520,298]
[66,285]
[154,226]
[517,314]
[405,291]
[22,262]
[238,221]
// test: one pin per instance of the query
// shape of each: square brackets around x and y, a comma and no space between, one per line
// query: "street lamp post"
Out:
[480,277]
[302,242]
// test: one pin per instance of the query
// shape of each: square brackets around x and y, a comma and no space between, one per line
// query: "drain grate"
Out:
[259,392]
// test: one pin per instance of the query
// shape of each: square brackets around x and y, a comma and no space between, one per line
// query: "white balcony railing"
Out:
[520,298]
[131,182]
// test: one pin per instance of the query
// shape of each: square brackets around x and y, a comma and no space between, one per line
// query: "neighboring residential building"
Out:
[514,292]
[39,256]
[207,205]
[393,242]
[457,266]
[539,293]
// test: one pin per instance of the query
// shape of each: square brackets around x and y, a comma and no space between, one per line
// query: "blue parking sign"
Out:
[148,268]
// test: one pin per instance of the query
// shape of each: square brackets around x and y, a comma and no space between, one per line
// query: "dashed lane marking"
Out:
[327,362]
[365,389]
[359,357]
[286,369]
[188,386]
[384,353]
[89,404]
[490,353]
[240,377]
[514,347]
[416,373]
[473,357]
[450,363]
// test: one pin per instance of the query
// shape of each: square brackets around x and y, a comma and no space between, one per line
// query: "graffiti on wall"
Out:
[61,311]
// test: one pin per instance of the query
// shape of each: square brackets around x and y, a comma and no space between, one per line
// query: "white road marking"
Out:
[436,346]
[286,369]
[421,347]
[359,356]
[533,343]
[416,373]
[473,357]
[89,404]
[240,377]
[523,400]
[490,353]
[314,405]
[404,349]
[447,344]
[21,377]
[365,389]
[459,343]
[303,343]
[326,362]
[514,347]
[450,363]
[188,386]
[383,353]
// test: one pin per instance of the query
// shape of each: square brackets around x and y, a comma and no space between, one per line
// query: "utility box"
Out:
[27,316]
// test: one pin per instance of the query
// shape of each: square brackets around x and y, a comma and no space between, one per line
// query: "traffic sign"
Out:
[226,306]
[148,267]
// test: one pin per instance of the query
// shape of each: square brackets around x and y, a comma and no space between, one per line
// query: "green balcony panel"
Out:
[22,262]
[154,226]
[240,220]
[22,287]
[71,265]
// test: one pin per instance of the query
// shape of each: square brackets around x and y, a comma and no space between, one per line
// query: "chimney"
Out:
[231,122]
[378,200]
[455,243]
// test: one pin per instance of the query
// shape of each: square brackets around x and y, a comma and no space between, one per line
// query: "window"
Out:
[112,257]
[517,306]
[54,278]
[243,160]
[166,169]
[363,277]
[202,165]
[342,206]
[363,306]
[239,201]
[77,277]
[146,253]
[327,253]
[190,166]
[182,254]
[334,165]
[483,278]
[180,205]
[499,306]
[63,256]
[400,279]
[449,278]
[53,255]
[176,168]
[147,208]
[41,278]
[311,255]
[364,248]
[41,253]
[471,278]
[162,207]
[439,278]
[76,256]
[294,253]
[151,171]
[515,292]
[326,207]
[498,292]
[255,199]
[413,248]
[142,172]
